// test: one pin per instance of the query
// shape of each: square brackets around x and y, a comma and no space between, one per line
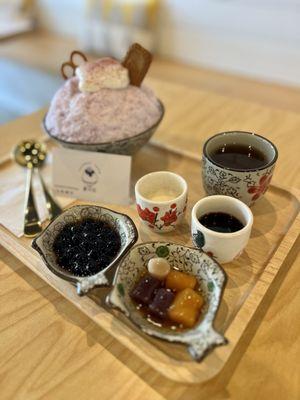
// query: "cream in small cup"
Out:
[161,199]
[224,247]
[238,164]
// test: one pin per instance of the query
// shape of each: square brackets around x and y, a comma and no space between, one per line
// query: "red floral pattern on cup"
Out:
[168,219]
[170,216]
[261,188]
[147,215]
[211,254]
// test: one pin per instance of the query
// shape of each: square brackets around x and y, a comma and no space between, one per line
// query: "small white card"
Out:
[87,175]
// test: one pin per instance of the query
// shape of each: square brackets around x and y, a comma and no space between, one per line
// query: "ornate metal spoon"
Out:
[31,154]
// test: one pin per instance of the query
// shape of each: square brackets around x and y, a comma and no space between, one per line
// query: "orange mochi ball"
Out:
[185,307]
[190,298]
[183,315]
[177,280]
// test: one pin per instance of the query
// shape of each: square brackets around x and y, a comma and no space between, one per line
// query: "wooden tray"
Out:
[276,227]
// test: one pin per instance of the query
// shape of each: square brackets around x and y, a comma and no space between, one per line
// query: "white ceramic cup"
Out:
[161,199]
[248,185]
[224,247]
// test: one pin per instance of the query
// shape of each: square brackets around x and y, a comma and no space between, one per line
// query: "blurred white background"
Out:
[257,38]
[238,47]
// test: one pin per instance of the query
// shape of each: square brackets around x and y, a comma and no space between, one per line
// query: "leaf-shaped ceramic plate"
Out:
[211,279]
[121,222]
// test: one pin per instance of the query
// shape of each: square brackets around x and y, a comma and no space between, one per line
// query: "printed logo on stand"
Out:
[90,175]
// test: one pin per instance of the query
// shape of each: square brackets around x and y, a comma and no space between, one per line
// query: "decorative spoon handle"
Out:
[53,208]
[32,223]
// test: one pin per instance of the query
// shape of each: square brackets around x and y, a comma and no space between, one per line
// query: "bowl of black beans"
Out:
[85,244]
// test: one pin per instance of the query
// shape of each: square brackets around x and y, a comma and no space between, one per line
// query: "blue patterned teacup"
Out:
[245,184]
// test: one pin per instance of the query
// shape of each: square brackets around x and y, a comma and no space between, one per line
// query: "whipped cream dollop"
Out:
[105,73]
[102,116]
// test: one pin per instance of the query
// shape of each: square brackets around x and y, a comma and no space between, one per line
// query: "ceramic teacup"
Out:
[224,247]
[161,199]
[246,184]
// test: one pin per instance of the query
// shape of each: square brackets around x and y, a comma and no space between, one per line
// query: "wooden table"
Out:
[50,350]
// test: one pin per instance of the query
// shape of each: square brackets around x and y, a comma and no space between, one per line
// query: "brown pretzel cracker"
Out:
[77,53]
[63,72]
[137,61]
[71,64]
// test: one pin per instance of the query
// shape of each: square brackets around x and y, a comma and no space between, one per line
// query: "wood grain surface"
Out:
[50,350]
[276,228]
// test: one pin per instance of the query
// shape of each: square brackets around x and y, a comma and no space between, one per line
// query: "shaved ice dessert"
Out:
[100,105]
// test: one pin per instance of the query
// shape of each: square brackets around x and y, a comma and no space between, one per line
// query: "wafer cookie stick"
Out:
[137,61]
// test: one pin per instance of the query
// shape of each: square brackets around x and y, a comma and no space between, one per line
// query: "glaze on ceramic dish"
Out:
[121,223]
[211,280]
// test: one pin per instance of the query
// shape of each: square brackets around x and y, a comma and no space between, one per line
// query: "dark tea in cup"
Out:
[221,222]
[239,156]
[238,164]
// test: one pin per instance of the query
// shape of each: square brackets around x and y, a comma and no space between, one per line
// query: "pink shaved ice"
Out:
[103,116]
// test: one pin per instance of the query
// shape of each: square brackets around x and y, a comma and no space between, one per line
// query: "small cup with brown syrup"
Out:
[221,227]
[238,164]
